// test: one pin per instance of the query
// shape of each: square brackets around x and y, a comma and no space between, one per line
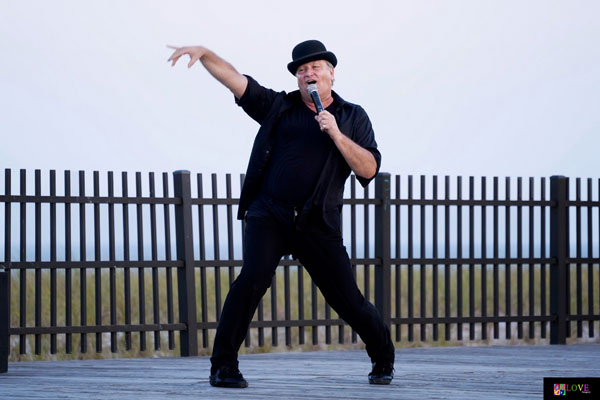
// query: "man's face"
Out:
[318,72]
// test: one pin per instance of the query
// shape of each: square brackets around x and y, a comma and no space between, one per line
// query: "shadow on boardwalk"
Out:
[421,373]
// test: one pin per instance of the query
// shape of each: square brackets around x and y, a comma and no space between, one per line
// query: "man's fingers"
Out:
[175,52]
[179,51]
[192,61]
[174,58]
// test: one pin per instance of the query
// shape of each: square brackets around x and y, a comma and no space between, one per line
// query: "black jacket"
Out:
[266,106]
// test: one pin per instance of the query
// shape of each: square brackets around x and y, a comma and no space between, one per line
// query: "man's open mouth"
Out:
[311,82]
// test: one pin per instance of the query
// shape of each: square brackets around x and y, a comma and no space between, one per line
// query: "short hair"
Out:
[330,65]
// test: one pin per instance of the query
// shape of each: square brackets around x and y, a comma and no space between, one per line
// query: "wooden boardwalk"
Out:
[421,373]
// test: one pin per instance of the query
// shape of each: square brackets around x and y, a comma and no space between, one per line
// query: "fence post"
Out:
[383,271]
[559,235]
[4,321]
[186,285]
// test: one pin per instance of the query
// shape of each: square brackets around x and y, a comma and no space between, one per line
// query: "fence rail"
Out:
[98,260]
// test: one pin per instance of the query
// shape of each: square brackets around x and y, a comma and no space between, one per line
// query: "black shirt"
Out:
[299,153]
[266,107]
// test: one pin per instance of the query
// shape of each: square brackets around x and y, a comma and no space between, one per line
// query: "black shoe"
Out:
[229,377]
[382,373]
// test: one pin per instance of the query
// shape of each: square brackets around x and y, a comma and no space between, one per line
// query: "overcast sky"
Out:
[469,87]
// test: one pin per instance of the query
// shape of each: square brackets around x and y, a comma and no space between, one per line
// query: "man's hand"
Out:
[218,68]
[195,53]
[328,124]
[359,159]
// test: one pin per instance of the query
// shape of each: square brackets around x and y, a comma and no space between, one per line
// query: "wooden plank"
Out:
[441,372]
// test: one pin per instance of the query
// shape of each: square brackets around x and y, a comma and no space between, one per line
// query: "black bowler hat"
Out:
[307,51]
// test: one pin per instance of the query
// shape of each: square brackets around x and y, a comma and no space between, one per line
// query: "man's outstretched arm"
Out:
[215,65]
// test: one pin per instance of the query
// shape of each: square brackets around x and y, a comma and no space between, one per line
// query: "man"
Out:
[292,198]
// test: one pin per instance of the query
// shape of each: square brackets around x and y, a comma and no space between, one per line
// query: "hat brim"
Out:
[323,55]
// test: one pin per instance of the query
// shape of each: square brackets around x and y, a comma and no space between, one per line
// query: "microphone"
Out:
[314,93]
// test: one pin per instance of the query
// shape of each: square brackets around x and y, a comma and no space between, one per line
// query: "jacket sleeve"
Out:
[364,136]
[256,100]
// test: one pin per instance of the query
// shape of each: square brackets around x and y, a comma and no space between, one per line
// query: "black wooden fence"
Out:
[473,258]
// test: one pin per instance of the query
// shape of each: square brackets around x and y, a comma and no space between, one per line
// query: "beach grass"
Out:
[364,280]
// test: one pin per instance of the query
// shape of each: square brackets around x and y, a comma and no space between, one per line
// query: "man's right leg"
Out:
[326,260]
[264,245]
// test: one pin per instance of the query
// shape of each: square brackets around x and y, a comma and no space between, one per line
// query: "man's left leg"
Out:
[327,262]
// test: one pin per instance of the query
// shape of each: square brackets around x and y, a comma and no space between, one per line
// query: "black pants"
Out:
[326,260]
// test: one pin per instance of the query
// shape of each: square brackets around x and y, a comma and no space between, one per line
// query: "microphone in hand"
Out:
[314,93]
